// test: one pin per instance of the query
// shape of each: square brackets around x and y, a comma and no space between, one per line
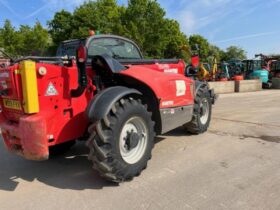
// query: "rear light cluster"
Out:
[82,54]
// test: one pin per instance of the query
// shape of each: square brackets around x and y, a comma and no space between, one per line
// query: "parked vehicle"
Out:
[99,89]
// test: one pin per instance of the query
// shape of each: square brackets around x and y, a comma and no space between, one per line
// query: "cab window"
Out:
[116,48]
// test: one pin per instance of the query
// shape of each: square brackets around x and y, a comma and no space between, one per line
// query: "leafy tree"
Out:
[203,44]
[25,41]
[61,26]
[41,39]
[142,20]
[9,38]
[100,15]
[156,35]
[176,41]
[33,41]
[234,52]
[215,52]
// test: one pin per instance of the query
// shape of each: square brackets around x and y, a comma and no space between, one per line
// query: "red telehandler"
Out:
[102,90]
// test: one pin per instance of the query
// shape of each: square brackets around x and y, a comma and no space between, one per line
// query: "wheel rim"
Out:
[204,111]
[134,127]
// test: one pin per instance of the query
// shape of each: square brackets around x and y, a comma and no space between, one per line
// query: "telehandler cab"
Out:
[100,89]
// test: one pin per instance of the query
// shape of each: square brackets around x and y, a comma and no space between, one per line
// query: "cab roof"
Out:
[98,37]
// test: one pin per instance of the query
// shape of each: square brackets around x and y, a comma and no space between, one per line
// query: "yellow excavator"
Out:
[206,73]
[199,70]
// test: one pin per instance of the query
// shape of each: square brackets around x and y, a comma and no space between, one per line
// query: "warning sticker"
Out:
[180,88]
[51,91]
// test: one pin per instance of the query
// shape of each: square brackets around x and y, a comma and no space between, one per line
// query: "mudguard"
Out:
[110,62]
[101,105]
[200,84]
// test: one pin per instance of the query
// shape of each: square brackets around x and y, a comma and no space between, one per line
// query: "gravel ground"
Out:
[235,165]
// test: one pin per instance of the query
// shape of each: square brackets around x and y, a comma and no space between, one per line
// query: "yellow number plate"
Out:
[11,104]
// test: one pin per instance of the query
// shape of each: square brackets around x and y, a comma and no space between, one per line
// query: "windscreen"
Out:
[116,48]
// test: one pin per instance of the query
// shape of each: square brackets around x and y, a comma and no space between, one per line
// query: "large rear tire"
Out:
[202,112]
[121,143]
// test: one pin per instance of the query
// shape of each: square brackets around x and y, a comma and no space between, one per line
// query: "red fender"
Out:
[163,85]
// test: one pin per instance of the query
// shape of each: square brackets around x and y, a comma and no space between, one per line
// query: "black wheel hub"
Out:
[132,140]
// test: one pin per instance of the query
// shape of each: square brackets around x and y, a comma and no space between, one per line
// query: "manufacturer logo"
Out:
[167,103]
[174,71]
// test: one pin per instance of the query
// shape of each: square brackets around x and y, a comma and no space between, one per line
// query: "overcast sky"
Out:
[251,24]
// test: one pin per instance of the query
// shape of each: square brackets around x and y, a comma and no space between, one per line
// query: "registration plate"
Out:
[11,104]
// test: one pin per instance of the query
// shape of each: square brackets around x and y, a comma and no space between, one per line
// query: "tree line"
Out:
[143,21]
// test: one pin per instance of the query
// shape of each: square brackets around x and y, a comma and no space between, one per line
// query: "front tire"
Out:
[121,143]
[202,112]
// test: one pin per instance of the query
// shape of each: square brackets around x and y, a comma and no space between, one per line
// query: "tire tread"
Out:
[101,153]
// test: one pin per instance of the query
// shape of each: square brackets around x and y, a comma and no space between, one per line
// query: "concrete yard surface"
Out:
[235,165]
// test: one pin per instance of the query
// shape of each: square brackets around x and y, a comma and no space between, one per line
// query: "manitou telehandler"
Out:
[100,89]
